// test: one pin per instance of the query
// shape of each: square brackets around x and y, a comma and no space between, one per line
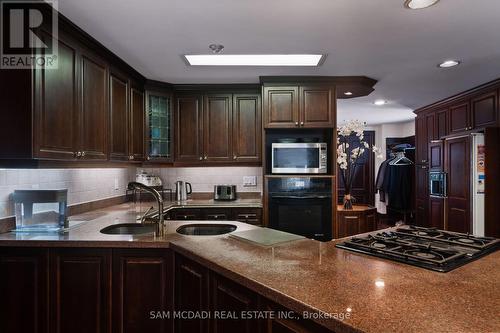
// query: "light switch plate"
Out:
[117,185]
[249,181]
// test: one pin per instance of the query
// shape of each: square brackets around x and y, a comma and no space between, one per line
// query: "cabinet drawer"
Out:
[216,214]
[186,214]
[248,215]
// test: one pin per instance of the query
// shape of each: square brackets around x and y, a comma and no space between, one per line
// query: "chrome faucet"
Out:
[160,227]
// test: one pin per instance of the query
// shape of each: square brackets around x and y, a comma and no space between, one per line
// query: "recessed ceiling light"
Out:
[380,102]
[216,48]
[254,59]
[449,63]
[348,93]
[419,4]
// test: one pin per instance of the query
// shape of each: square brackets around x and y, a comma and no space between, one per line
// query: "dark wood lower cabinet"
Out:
[436,212]
[80,290]
[142,283]
[360,219]
[191,295]
[24,298]
[286,321]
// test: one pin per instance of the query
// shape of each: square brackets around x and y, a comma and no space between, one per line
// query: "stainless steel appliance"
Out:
[225,192]
[437,183]
[182,190]
[308,158]
[301,205]
[429,248]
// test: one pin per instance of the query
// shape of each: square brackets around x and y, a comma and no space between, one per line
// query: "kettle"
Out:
[182,191]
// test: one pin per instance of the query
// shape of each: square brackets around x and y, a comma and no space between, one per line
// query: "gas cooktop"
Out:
[429,248]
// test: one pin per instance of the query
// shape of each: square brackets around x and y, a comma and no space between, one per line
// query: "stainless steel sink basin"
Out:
[128,229]
[206,229]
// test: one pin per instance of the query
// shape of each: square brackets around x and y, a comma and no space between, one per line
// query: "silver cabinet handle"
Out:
[234,157]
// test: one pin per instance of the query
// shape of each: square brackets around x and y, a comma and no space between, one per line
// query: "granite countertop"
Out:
[307,275]
[199,203]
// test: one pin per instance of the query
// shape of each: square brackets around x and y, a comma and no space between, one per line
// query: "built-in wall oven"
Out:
[299,158]
[301,205]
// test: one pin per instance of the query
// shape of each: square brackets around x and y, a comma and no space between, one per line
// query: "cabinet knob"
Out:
[78,154]
[234,157]
[296,123]
[83,153]
[148,158]
[201,158]
[301,123]
[131,157]
[205,157]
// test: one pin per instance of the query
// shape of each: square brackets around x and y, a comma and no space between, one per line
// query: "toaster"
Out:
[225,192]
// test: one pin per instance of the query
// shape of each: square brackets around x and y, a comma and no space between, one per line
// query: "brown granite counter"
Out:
[307,275]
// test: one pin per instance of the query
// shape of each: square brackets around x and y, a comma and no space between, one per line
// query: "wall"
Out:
[83,185]
[203,179]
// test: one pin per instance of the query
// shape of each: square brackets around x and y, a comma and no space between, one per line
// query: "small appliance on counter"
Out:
[182,190]
[149,180]
[225,192]
[40,210]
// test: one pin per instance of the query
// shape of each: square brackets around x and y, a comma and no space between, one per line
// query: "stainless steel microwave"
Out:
[299,158]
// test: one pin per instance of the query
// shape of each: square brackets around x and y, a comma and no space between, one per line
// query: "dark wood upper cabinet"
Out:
[189,122]
[142,282]
[281,107]
[459,118]
[436,162]
[247,128]
[457,165]
[137,117]
[80,287]
[24,301]
[421,140]
[94,109]
[485,110]
[430,126]
[317,106]
[55,116]
[441,124]
[217,134]
[191,294]
[119,117]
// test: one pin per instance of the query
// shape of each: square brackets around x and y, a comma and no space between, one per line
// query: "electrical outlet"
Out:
[249,181]
[117,184]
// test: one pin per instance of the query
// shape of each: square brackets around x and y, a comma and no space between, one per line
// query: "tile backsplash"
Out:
[83,185]
[204,179]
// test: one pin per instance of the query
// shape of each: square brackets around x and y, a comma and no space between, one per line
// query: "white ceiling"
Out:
[377,38]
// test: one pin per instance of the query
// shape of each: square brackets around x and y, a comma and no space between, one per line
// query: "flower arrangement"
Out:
[348,154]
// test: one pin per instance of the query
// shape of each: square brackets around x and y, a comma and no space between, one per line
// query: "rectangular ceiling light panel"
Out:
[254,59]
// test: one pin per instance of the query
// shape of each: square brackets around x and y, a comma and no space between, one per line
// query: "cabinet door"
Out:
[55,123]
[94,109]
[441,124]
[459,118]
[189,128]
[142,283]
[457,162]
[191,294]
[317,106]
[421,139]
[247,128]
[348,224]
[436,156]
[436,212]
[118,107]
[281,107]
[159,126]
[421,195]
[229,297]
[80,290]
[430,120]
[288,321]
[217,136]
[485,110]
[24,300]
[137,125]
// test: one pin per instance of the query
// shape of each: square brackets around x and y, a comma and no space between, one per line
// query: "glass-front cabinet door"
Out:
[159,127]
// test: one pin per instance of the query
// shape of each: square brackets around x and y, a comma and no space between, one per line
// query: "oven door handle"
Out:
[300,197]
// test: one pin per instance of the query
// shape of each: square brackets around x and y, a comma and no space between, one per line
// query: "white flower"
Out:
[366,144]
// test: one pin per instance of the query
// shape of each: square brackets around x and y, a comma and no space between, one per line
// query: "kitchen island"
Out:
[329,288]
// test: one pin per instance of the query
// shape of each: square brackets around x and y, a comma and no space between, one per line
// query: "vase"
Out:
[348,200]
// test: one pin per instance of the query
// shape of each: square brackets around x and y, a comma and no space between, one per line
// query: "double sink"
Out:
[193,229]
